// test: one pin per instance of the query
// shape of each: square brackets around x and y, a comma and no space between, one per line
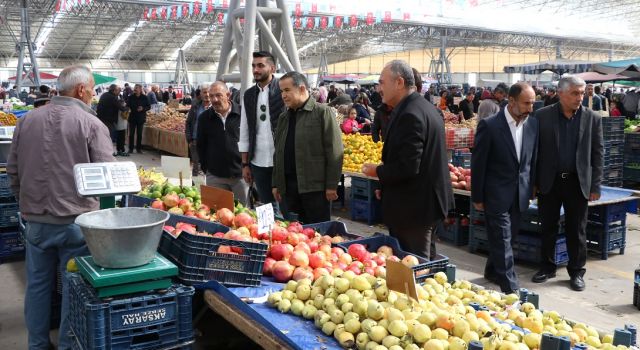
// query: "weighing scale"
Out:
[106,180]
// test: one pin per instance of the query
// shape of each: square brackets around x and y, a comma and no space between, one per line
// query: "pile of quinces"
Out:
[360,312]
[360,149]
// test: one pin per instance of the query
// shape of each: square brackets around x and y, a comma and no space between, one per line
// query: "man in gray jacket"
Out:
[47,143]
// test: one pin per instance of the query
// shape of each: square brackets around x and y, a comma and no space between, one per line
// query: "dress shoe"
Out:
[577,283]
[542,276]
[515,291]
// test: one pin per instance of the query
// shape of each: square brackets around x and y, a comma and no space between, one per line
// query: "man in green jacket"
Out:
[308,153]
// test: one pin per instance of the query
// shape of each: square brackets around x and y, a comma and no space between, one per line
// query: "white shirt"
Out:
[263,155]
[516,131]
[224,118]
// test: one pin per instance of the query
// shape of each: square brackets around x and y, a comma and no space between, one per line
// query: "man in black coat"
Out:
[570,160]
[139,104]
[217,143]
[414,177]
[168,95]
[108,107]
[503,167]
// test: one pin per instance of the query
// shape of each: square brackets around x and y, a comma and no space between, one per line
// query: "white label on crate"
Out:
[143,317]
[266,219]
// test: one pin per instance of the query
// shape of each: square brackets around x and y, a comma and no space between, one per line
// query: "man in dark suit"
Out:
[503,166]
[591,100]
[168,95]
[414,177]
[569,169]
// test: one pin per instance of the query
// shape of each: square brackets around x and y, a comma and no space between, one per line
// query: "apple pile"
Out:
[460,177]
[360,312]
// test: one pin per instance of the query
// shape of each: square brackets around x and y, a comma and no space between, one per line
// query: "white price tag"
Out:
[266,219]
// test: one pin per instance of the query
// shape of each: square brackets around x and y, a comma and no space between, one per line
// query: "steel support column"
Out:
[25,43]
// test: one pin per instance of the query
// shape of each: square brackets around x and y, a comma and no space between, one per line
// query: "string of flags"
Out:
[304,14]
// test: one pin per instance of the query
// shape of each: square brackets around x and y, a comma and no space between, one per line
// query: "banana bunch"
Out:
[150,177]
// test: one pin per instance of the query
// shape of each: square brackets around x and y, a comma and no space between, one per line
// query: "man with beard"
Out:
[261,106]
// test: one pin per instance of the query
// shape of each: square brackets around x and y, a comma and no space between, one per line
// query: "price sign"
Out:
[266,219]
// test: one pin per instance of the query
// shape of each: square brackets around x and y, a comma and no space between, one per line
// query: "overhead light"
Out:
[115,45]
[41,40]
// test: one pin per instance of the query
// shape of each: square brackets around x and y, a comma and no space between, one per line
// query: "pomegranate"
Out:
[157,204]
[281,251]
[190,213]
[268,266]
[356,250]
[205,208]
[202,214]
[313,245]
[171,200]
[295,227]
[299,258]
[253,230]
[317,259]
[225,216]
[309,232]
[279,234]
[302,272]
[243,220]
[282,271]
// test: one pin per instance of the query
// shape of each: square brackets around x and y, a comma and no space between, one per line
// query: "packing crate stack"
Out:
[614,149]
[11,244]
[364,204]
[632,159]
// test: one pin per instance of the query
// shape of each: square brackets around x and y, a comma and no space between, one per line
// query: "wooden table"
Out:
[252,329]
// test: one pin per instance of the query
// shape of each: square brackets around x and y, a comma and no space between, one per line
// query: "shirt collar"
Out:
[264,89]
[576,114]
[70,101]
[510,119]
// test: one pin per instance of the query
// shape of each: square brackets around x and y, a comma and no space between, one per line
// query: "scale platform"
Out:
[110,282]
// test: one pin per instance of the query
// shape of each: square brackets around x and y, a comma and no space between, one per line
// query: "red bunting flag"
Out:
[387,16]
[220,18]
[473,3]
[310,22]
[353,20]
[58,6]
[185,10]
[298,11]
[297,23]
[154,14]
[225,3]
[332,8]
[196,8]
[338,22]
[174,12]
[323,22]
[370,19]
[163,13]
[406,16]
[209,6]
[145,14]
[314,8]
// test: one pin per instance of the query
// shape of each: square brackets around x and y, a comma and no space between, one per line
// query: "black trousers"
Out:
[416,240]
[262,179]
[502,228]
[120,136]
[311,207]
[564,193]
[135,127]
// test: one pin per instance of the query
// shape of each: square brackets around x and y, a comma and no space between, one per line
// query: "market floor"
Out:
[606,303]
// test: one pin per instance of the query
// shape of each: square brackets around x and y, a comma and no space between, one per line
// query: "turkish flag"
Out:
[154,14]
[196,8]
[58,6]
[185,10]
[323,22]
[225,3]
[310,22]
[314,8]
[338,22]
[298,11]
[163,13]
[406,16]
[369,20]
[174,12]
[145,14]
[220,18]
[387,16]
[209,6]
[353,21]
[297,23]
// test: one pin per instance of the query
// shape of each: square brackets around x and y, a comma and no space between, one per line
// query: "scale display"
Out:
[6,132]
[106,179]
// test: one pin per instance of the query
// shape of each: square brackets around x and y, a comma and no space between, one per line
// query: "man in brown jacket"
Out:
[47,143]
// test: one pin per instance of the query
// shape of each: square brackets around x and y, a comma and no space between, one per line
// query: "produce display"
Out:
[460,177]
[454,121]
[149,177]
[360,312]
[18,105]
[168,119]
[360,149]
[173,124]
[8,119]
[631,125]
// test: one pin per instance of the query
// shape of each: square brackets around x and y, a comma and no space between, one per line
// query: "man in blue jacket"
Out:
[503,166]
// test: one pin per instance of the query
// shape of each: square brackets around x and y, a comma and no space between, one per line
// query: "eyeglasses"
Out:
[263,116]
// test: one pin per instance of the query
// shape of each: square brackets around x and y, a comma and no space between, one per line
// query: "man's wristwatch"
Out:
[245,164]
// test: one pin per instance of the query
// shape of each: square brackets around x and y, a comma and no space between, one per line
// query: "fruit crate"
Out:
[138,321]
[528,245]
[611,174]
[362,188]
[478,238]
[631,173]
[616,149]
[632,141]
[9,213]
[454,232]
[367,210]
[333,228]
[612,137]
[632,157]
[613,161]
[199,261]
[461,159]
[613,124]
[133,200]
[608,213]
[422,271]
[11,246]
[459,137]
[605,240]
[5,186]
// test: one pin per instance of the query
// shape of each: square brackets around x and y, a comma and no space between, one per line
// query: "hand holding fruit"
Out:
[370,169]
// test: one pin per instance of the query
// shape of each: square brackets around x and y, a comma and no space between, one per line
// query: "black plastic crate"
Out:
[636,295]
[613,124]
[367,210]
[613,138]
[632,141]
[527,247]
[631,173]
[478,240]
[461,159]
[9,214]
[199,260]
[11,246]
[613,149]
[632,157]
[333,228]
[454,233]
[422,271]
[605,240]
[608,213]
[5,187]
[615,161]
[138,321]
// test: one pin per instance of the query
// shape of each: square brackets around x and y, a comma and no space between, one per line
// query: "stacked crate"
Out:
[607,229]
[364,204]
[11,246]
[632,158]
[613,137]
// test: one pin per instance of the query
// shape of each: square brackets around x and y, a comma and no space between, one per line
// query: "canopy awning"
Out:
[595,77]
[558,66]
[43,76]
[341,78]
[629,68]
